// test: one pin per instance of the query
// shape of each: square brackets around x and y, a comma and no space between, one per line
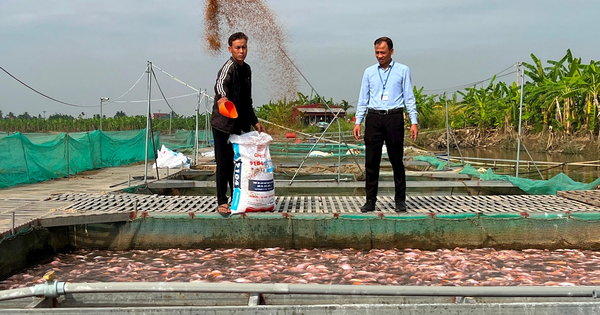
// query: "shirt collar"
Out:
[389,66]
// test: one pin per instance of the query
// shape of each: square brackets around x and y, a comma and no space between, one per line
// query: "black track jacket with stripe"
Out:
[234,81]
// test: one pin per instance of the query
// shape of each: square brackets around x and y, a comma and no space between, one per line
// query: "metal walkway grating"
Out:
[110,203]
[591,197]
[79,208]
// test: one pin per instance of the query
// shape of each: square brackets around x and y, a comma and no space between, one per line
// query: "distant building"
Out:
[312,114]
[160,115]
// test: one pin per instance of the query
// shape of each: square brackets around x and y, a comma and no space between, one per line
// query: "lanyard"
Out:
[388,75]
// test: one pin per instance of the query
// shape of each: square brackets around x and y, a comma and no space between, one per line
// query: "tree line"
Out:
[562,96]
[67,123]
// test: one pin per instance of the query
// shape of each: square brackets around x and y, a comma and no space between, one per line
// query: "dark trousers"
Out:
[388,129]
[225,165]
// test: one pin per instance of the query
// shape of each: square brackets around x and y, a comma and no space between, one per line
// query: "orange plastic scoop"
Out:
[227,109]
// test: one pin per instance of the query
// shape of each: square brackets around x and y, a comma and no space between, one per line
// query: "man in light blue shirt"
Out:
[385,90]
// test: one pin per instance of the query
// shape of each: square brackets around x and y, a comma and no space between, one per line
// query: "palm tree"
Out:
[345,105]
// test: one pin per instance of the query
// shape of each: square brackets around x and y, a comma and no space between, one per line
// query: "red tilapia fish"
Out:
[457,267]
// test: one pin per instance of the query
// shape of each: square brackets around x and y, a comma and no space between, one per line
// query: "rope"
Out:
[161,92]
[44,95]
[414,144]
[174,78]
[299,132]
[131,88]
[454,88]
[158,99]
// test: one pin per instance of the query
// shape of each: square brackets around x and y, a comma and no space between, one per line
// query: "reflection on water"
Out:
[527,170]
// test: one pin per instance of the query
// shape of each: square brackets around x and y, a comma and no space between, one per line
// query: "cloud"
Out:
[79,51]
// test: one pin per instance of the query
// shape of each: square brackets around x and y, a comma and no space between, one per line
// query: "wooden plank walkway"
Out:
[93,197]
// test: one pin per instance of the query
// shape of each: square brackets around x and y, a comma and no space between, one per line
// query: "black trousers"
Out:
[388,129]
[225,165]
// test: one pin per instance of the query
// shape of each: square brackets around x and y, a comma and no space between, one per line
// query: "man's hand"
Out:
[357,131]
[222,100]
[259,127]
[414,131]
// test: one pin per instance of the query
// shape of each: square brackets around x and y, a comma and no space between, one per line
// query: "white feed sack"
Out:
[253,186]
[166,158]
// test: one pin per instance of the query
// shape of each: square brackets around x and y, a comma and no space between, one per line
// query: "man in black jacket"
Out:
[234,84]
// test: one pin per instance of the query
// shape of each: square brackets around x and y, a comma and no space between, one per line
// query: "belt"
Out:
[385,111]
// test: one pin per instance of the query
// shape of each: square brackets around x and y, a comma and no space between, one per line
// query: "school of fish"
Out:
[444,267]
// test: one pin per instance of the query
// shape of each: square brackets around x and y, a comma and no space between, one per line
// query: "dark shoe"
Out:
[400,206]
[369,206]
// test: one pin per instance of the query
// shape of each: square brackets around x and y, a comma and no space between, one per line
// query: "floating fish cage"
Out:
[144,231]
[312,211]
[324,180]
[126,222]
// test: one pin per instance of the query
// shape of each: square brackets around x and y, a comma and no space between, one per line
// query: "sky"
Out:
[78,51]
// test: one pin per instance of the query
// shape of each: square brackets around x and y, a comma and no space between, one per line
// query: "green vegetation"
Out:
[281,112]
[67,123]
[562,97]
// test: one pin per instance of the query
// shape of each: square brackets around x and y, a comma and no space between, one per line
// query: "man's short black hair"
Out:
[388,40]
[236,36]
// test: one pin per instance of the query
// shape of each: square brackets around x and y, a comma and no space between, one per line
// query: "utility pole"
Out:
[520,123]
[102,99]
[148,134]
[518,74]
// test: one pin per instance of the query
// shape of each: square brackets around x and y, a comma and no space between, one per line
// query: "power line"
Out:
[131,88]
[455,88]
[161,92]
[44,95]
[158,99]
[168,98]
[116,100]
[174,78]
[462,86]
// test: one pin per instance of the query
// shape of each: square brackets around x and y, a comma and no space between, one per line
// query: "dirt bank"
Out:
[545,142]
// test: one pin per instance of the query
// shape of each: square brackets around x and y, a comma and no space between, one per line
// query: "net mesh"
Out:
[183,140]
[439,164]
[30,158]
[560,182]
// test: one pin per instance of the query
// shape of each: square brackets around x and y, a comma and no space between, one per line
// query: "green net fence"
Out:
[30,158]
[183,140]
[560,182]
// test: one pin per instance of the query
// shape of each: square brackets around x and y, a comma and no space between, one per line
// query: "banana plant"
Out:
[426,108]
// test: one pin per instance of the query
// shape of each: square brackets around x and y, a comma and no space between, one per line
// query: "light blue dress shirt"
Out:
[386,89]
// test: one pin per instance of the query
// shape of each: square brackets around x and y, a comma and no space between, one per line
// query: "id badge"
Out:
[384,96]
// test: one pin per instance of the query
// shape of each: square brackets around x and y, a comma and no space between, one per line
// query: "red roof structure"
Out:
[160,115]
[312,114]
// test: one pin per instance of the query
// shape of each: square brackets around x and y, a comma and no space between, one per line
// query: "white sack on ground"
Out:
[208,154]
[253,185]
[166,158]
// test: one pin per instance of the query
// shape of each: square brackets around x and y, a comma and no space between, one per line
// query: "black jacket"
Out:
[234,81]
